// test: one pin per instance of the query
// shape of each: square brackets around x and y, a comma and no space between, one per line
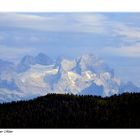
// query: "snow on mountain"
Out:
[92,63]
[39,75]
[32,81]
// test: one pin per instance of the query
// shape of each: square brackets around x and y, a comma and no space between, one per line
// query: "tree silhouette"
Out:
[70,111]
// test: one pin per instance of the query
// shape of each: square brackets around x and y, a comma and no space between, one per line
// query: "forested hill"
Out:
[70,111]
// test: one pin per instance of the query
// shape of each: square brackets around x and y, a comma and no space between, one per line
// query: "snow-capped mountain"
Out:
[39,75]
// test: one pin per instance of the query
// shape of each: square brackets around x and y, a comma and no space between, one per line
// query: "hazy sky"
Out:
[114,37]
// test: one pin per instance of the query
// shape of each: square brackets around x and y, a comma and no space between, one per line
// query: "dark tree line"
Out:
[71,111]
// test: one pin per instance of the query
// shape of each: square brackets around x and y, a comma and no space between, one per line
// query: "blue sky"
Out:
[114,37]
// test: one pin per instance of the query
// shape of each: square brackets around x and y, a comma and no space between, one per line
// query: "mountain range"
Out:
[38,75]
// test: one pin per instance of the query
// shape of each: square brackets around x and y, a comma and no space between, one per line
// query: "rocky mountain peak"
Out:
[43,59]
[40,75]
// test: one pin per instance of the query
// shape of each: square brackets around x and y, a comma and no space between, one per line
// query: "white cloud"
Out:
[127,31]
[93,23]
[78,22]
[72,22]
[34,39]
[56,22]
[1,37]
[14,53]
[124,51]
[22,20]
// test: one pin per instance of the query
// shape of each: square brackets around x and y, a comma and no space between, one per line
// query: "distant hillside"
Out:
[71,111]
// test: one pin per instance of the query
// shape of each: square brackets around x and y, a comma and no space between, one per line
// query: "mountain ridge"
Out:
[37,75]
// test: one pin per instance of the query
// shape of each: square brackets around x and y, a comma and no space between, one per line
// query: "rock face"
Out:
[39,75]
[25,63]
[28,60]
[43,59]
